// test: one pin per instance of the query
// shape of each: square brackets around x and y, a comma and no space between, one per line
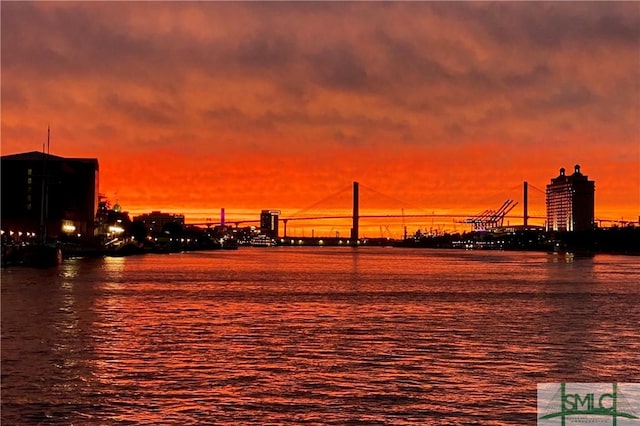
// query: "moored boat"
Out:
[262,241]
[42,255]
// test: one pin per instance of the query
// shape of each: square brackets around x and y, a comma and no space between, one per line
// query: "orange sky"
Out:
[444,107]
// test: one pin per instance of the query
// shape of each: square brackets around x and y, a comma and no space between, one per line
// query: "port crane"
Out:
[489,219]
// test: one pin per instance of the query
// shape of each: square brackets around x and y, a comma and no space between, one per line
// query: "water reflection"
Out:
[113,268]
[310,335]
[567,325]
[45,318]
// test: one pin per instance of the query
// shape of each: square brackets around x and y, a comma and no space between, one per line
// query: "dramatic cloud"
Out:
[197,105]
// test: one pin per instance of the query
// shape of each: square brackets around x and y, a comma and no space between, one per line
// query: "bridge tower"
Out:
[525,208]
[356,214]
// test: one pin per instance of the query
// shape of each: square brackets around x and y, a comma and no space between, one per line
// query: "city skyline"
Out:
[191,107]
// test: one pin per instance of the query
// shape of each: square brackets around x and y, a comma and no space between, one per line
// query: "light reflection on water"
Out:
[320,335]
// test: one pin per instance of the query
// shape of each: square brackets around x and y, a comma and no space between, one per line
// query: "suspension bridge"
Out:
[484,220]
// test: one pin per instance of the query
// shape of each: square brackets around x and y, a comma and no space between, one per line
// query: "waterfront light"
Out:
[115,229]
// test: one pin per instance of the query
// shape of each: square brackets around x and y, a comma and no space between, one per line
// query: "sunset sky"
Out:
[442,107]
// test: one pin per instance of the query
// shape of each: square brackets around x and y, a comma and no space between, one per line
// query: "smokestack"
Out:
[222,216]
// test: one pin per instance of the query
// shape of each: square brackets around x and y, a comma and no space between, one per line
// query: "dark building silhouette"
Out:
[570,202]
[155,221]
[111,222]
[38,187]
[269,222]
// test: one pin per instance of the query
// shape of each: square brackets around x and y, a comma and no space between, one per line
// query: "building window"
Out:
[29,172]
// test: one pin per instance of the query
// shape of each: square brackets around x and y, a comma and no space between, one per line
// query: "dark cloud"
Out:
[410,61]
[339,67]
[597,23]
[448,70]
[537,75]
[89,41]
[570,97]
[157,113]
[332,122]
[235,119]
[266,51]
[548,24]
[223,114]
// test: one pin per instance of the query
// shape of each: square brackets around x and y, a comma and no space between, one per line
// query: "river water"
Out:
[312,336]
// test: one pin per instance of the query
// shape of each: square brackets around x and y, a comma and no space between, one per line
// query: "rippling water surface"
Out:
[312,335]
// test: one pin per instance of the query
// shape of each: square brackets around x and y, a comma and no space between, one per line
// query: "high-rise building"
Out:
[570,202]
[269,222]
[42,191]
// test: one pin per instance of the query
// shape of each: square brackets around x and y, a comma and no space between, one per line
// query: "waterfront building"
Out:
[111,222]
[570,202]
[155,221]
[42,191]
[269,222]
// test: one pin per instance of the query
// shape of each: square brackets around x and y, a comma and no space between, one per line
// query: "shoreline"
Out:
[616,241]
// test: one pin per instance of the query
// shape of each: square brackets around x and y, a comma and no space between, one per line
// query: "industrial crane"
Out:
[489,219]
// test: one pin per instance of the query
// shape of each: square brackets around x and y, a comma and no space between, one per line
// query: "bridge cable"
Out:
[396,200]
[317,203]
